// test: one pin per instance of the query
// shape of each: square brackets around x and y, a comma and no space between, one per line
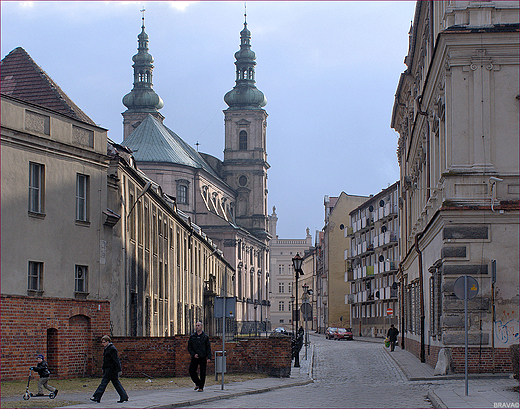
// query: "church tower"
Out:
[245,158]
[142,100]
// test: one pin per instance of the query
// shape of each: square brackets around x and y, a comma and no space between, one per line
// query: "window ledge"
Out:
[82,223]
[80,295]
[36,215]
[34,293]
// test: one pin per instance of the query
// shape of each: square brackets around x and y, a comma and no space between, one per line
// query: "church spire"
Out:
[245,95]
[142,100]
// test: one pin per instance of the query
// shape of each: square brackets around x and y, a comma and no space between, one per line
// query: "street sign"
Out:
[389,311]
[306,309]
[230,303]
[472,287]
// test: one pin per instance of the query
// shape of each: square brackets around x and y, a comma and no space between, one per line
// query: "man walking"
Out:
[111,370]
[392,336]
[200,351]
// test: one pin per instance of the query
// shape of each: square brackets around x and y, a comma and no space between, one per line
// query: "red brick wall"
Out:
[163,357]
[63,330]
[480,360]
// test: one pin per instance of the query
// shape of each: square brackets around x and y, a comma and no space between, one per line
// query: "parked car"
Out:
[343,333]
[329,332]
[280,331]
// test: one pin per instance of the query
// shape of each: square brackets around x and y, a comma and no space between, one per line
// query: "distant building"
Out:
[227,199]
[456,112]
[282,276]
[336,246]
[373,263]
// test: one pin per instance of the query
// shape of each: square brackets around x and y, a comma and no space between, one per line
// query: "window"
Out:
[281,306]
[242,140]
[36,180]
[35,276]
[182,194]
[80,279]
[82,187]
[281,287]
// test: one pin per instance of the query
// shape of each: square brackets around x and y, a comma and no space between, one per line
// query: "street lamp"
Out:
[297,264]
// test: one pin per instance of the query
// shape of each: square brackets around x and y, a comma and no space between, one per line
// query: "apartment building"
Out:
[373,263]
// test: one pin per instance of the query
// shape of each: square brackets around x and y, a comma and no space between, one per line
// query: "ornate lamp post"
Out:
[297,264]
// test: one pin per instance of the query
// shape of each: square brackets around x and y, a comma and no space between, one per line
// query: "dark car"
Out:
[344,333]
[329,332]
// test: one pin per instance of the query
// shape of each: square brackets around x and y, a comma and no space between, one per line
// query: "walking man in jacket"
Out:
[392,336]
[111,370]
[200,351]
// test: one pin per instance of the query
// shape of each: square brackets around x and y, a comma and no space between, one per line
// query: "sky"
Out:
[329,71]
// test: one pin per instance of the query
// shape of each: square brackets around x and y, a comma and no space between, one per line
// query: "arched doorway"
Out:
[52,351]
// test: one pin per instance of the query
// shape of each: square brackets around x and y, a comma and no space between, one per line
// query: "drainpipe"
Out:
[421,292]
[401,275]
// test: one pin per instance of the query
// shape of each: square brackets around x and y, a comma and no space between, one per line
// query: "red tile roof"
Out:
[22,78]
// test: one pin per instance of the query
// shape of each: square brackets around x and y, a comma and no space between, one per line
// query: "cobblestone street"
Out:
[347,374]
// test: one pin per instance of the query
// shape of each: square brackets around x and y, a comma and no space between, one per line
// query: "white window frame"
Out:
[80,276]
[82,197]
[36,185]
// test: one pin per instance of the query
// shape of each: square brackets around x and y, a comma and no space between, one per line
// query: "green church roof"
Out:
[151,141]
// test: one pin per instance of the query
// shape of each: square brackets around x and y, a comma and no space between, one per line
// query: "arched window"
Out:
[242,140]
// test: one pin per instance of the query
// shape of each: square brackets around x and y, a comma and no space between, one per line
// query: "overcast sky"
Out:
[329,71]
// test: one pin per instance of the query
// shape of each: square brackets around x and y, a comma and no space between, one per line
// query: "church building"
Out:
[226,198]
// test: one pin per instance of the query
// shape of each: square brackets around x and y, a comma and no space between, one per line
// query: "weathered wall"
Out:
[168,356]
[63,330]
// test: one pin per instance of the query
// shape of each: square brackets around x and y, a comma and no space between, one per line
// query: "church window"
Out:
[242,140]
[182,194]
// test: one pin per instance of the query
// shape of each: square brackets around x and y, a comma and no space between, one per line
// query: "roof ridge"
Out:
[19,74]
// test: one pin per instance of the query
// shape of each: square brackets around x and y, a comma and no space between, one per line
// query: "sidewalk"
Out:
[183,397]
[484,390]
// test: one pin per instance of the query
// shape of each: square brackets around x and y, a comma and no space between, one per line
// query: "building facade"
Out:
[456,112]
[373,263]
[336,247]
[283,276]
[226,198]
[95,247]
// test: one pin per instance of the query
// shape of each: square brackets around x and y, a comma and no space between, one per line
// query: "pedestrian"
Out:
[200,350]
[392,336]
[43,370]
[111,372]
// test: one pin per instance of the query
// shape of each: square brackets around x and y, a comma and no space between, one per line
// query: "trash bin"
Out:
[220,363]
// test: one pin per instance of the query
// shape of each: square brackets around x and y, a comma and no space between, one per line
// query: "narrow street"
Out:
[347,374]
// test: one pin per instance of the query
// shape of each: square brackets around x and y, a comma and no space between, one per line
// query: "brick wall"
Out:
[63,330]
[480,360]
[165,357]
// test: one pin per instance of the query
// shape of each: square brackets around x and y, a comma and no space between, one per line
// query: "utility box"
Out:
[220,363]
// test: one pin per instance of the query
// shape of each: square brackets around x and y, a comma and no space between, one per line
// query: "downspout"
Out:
[421,293]
[402,304]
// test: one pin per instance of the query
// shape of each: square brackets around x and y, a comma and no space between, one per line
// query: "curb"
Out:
[231,395]
[435,400]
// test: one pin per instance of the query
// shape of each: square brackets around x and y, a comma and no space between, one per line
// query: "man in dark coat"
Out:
[392,336]
[200,350]
[111,370]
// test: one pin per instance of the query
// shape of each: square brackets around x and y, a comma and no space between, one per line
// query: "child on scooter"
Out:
[43,371]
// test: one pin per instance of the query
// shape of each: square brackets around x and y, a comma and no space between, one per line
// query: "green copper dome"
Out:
[245,95]
[142,98]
